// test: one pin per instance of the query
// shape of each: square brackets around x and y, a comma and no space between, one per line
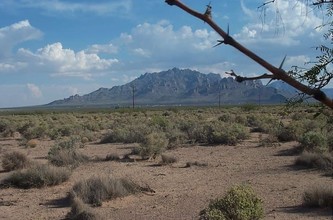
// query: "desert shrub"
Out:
[262,123]
[249,107]
[227,117]
[229,134]
[166,159]
[241,119]
[153,145]
[81,211]
[313,142]
[194,130]
[37,176]
[95,190]
[285,134]
[112,157]
[7,128]
[175,138]
[65,153]
[269,141]
[161,122]
[196,163]
[32,143]
[14,161]
[239,203]
[133,133]
[319,196]
[315,160]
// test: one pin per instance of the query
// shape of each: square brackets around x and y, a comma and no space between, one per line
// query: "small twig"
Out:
[266,3]
[322,2]
[239,78]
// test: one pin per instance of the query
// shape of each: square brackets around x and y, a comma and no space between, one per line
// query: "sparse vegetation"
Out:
[239,203]
[156,133]
[319,197]
[112,157]
[65,153]
[166,159]
[97,189]
[314,142]
[196,163]
[14,161]
[81,211]
[153,145]
[36,176]
[316,160]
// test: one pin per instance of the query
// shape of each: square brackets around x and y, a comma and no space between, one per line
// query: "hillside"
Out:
[178,86]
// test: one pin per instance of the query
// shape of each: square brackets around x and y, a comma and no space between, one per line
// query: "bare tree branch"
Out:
[322,2]
[266,3]
[279,73]
[239,78]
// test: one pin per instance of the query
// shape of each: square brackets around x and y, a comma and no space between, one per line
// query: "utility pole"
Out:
[219,96]
[133,91]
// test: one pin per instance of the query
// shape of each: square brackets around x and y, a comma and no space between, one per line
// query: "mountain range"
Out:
[178,87]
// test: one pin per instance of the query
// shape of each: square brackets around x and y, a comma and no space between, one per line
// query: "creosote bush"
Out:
[37,176]
[95,190]
[239,203]
[153,145]
[14,161]
[314,142]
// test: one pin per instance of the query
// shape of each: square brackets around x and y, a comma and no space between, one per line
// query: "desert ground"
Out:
[180,192]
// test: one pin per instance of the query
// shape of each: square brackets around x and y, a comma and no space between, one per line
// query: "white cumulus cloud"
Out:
[16,33]
[57,60]
[284,22]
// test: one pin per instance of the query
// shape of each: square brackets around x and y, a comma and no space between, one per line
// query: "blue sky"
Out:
[52,49]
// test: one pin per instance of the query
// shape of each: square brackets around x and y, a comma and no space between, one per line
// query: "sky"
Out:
[52,49]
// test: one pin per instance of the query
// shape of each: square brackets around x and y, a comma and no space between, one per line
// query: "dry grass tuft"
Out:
[14,161]
[95,190]
[165,159]
[81,211]
[37,176]
[319,196]
[316,160]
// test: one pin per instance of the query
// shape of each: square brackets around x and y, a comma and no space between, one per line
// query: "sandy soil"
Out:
[181,193]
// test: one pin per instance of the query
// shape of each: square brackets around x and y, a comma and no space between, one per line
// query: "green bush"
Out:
[14,161]
[37,176]
[229,134]
[239,203]
[313,142]
[153,145]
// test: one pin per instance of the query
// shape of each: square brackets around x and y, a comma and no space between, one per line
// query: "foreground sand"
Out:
[180,192]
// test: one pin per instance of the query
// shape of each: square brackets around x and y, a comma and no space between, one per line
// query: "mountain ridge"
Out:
[178,86]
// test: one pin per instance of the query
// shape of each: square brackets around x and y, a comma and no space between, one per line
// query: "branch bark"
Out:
[278,73]
[240,79]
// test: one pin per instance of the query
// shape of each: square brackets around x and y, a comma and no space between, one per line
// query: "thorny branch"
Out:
[240,79]
[322,2]
[278,73]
